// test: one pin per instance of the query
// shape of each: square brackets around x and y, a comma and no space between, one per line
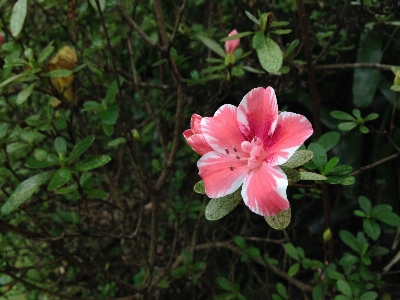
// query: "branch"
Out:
[375,164]
[355,66]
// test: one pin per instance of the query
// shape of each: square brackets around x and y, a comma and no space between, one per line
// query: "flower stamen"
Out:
[230,167]
[226,151]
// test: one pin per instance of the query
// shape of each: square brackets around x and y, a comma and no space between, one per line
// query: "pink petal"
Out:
[290,133]
[195,123]
[197,142]
[222,174]
[222,131]
[258,113]
[231,46]
[264,190]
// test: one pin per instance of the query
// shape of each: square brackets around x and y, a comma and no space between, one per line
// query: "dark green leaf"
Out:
[102,4]
[364,129]
[108,129]
[236,36]
[371,117]
[344,179]
[252,18]
[258,41]
[96,193]
[111,93]
[365,204]
[92,163]
[45,53]
[110,115]
[329,140]
[356,113]
[61,177]
[24,191]
[291,47]
[279,23]
[11,79]
[345,126]
[330,165]
[349,239]
[293,269]
[369,296]
[319,158]
[36,164]
[226,284]
[18,17]
[220,207]
[291,251]
[282,290]
[80,148]
[59,73]
[372,229]
[281,31]
[341,115]
[239,241]
[341,170]
[291,174]
[344,287]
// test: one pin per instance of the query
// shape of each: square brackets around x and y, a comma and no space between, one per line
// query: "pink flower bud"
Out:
[231,46]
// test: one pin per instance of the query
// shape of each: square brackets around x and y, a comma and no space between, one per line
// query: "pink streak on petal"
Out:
[264,190]
[218,178]
[222,130]
[195,123]
[258,113]
[290,133]
[197,142]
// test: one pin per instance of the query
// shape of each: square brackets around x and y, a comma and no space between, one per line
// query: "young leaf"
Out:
[299,158]
[252,18]
[25,93]
[281,220]
[199,187]
[294,269]
[92,163]
[291,251]
[59,73]
[18,17]
[220,207]
[330,165]
[45,53]
[270,56]
[24,190]
[329,140]
[311,176]
[252,70]
[236,36]
[61,177]
[61,146]
[80,148]
[213,45]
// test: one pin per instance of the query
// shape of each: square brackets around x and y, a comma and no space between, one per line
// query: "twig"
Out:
[316,113]
[392,127]
[355,66]
[178,21]
[375,164]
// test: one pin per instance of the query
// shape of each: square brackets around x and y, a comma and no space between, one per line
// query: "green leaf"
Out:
[226,284]
[344,179]
[24,191]
[278,23]
[80,148]
[59,73]
[356,113]
[252,18]
[317,293]
[312,264]
[270,56]
[36,164]
[372,229]
[258,41]
[236,36]
[291,174]
[45,53]
[96,193]
[61,146]
[252,70]
[293,269]
[330,165]
[102,4]
[349,239]
[383,212]
[25,93]
[199,187]
[282,290]
[365,81]
[395,88]
[299,158]
[281,220]
[311,176]
[281,31]
[319,158]
[344,287]
[179,271]
[213,45]
[291,251]
[3,130]
[11,79]
[341,115]
[345,126]
[360,213]
[18,17]
[108,129]
[371,117]
[364,129]
[110,115]
[214,68]
[341,170]
[92,163]
[329,140]
[220,207]
[61,177]
[365,204]
[111,92]
[335,275]
[369,296]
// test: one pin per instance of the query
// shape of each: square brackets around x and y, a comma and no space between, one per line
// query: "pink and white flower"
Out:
[244,146]
[231,46]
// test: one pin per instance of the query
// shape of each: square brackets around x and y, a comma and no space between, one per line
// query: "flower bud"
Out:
[231,46]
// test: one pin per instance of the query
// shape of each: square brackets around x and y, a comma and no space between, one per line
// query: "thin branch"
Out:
[392,127]
[178,20]
[375,164]
[355,66]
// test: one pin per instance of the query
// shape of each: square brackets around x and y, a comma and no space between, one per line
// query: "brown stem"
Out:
[392,127]
[375,164]
[355,66]
[316,113]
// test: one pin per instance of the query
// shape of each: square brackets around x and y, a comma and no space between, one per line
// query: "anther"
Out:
[237,156]
[234,148]
[230,167]
[226,151]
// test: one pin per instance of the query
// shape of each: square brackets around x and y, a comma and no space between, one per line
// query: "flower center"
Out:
[256,150]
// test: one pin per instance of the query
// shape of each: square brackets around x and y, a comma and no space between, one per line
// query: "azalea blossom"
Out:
[231,46]
[244,146]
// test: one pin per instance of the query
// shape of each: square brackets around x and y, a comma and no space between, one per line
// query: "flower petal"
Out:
[258,113]
[290,133]
[195,123]
[264,190]
[222,174]
[197,142]
[222,131]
